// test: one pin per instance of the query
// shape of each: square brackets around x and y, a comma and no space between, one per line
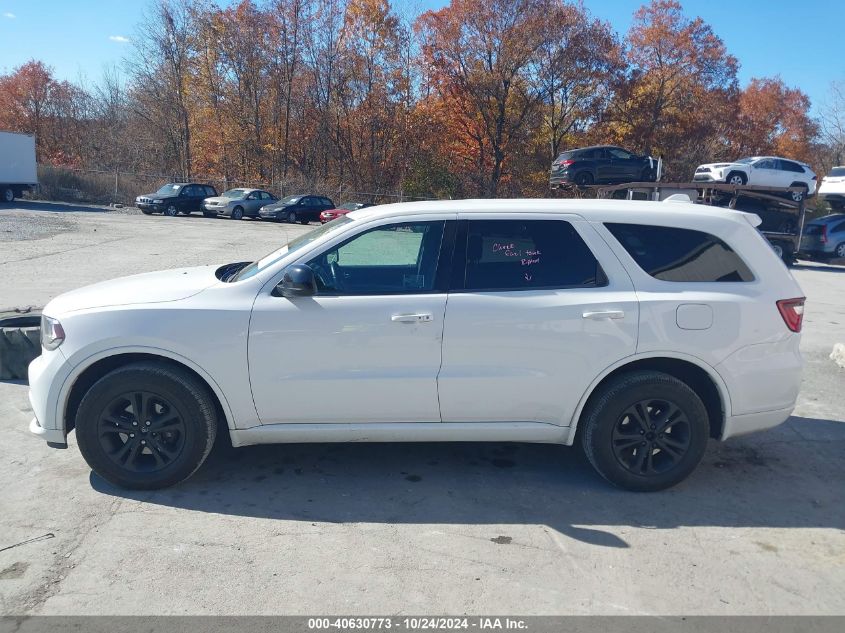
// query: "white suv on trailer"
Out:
[637,329]
[763,171]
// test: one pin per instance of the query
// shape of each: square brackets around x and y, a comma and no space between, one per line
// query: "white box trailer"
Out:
[17,165]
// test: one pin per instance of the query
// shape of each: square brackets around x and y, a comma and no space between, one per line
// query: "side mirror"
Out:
[299,281]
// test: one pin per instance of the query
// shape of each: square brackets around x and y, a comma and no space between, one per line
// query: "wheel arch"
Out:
[700,376]
[98,365]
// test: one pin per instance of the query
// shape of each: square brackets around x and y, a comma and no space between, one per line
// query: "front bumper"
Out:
[706,178]
[145,206]
[216,209]
[47,376]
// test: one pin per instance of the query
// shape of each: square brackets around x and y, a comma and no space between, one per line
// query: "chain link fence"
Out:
[97,186]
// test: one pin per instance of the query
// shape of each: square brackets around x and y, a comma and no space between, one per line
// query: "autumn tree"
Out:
[479,53]
[577,63]
[774,119]
[679,90]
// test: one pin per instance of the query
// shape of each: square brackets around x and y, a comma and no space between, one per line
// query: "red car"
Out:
[331,214]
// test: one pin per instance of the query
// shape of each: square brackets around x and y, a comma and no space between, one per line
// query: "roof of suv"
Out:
[588,209]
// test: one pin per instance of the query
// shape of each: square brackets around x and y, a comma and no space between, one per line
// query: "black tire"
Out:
[612,436]
[110,435]
[584,179]
[7,195]
[147,211]
[237,213]
[20,344]
[206,214]
[171,211]
[839,251]
[305,221]
[736,178]
[292,217]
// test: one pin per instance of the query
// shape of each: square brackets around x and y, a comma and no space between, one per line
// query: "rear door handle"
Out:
[604,314]
[412,318]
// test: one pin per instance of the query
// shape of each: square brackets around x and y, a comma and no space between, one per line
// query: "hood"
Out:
[722,165]
[157,196]
[276,206]
[166,285]
[217,199]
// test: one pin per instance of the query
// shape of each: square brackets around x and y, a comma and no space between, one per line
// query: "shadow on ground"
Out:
[791,482]
[60,207]
[831,266]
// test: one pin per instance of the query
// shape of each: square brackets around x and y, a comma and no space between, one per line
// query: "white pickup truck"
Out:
[17,165]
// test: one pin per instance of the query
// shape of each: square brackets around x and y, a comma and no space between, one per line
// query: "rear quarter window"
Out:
[680,255]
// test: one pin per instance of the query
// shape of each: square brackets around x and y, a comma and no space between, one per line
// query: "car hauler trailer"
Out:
[782,217]
[17,165]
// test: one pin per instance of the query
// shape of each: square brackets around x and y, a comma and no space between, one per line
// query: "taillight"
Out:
[792,311]
[824,234]
[567,162]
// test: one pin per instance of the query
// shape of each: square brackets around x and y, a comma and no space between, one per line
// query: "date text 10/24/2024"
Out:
[421,623]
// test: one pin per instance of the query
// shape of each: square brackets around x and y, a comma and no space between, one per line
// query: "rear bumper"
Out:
[752,422]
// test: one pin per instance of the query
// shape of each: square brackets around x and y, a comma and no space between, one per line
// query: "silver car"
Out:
[825,237]
[237,203]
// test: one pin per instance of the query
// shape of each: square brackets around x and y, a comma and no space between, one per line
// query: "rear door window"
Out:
[673,254]
[505,255]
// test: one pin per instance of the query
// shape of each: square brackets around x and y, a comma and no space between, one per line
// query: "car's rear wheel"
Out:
[304,221]
[171,211]
[839,252]
[146,425]
[206,214]
[798,196]
[8,195]
[645,430]
[237,213]
[584,178]
[736,178]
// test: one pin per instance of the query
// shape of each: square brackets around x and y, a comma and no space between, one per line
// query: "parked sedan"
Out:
[764,171]
[605,164]
[238,203]
[301,208]
[175,198]
[347,207]
[832,189]
[825,237]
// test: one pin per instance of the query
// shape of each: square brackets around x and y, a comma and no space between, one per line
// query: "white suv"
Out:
[637,329]
[763,171]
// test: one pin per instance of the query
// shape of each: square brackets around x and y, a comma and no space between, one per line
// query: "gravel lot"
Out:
[422,529]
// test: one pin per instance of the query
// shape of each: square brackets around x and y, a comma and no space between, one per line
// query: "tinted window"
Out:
[620,153]
[209,191]
[673,254]
[838,227]
[788,165]
[526,255]
[394,259]
[765,164]
[326,202]
[837,172]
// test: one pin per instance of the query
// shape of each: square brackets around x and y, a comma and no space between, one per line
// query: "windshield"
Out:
[292,246]
[745,161]
[233,194]
[837,172]
[169,189]
[290,199]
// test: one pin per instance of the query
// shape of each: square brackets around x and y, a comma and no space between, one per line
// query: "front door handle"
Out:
[412,318]
[604,314]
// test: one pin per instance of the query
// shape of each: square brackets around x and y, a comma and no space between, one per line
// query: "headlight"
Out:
[156,201]
[52,332]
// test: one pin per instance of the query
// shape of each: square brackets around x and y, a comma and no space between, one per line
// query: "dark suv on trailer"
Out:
[605,164]
[301,208]
[175,198]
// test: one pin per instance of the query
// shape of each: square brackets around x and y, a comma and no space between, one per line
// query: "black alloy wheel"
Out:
[142,432]
[651,437]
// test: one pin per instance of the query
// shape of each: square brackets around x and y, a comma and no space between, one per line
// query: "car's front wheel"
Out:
[645,430]
[237,213]
[146,425]
[736,178]
[292,217]
[171,211]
